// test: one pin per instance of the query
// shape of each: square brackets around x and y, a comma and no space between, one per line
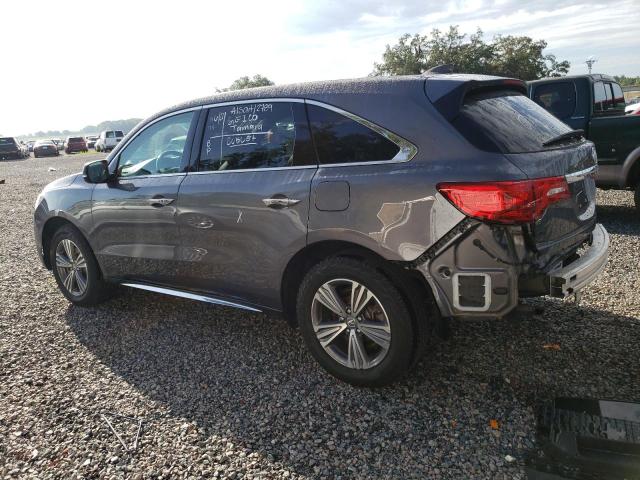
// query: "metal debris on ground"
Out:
[131,419]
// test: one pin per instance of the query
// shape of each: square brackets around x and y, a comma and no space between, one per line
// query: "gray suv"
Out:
[362,210]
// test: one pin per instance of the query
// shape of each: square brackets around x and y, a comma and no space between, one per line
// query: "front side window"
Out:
[599,97]
[557,98]
[256,135]
[110,134]
[340,139]
[158,149]
[618,97]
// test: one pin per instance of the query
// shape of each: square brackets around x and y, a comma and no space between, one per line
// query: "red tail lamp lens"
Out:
[523,201]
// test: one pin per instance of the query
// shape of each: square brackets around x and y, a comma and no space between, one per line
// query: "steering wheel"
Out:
[168,161]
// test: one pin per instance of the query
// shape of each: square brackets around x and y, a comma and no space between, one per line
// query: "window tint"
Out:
[157,149]
[599,97]
[340,139]
[618,97]
[119,133]
[508,122]
[256,135]
[557,98]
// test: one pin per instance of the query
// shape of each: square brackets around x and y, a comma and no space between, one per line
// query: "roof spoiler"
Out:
[447,93]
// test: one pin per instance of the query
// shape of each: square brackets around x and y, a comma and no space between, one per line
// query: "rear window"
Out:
[507,122]
[558,98]
[110,134]
[119,133]
[76,139]
[7,141]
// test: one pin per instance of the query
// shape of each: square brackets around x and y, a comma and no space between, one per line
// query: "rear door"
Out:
[135,233]
[510,123]
[243,213]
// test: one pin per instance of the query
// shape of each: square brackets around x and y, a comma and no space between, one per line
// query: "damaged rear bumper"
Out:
[478,269]
[581,272]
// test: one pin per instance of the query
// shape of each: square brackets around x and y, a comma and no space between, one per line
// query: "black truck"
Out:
[595,103]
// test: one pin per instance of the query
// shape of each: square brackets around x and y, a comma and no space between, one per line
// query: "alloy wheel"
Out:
[72,267]
[351,324]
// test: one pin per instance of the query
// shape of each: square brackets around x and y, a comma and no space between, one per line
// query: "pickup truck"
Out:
[595,103]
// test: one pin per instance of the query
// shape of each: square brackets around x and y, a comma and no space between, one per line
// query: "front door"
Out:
[134,214]
[244,213]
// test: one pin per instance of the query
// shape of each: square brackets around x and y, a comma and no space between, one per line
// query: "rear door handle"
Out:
[280,202]
[160,202]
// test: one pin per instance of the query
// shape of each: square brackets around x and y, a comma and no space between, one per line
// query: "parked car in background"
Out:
[24,149]
[30,144]
[108,139]
[58,143]
[91,140]
[45,148]
[363,210]
[75,144]
[10,148]
[632,109]
[594,105]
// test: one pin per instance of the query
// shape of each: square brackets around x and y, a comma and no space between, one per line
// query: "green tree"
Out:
[246,82]
[625,81]
[512,56]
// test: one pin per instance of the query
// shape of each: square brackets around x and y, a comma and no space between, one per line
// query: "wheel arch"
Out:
[51,226]
[412,285]
[631,169]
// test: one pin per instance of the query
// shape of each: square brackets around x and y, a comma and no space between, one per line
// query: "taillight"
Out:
[523,201]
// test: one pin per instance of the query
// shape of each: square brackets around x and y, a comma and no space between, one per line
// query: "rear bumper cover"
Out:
[581,272]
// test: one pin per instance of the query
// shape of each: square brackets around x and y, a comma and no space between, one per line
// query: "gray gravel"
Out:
[234,395]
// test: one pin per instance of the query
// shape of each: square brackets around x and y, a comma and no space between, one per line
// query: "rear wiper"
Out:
[579,133]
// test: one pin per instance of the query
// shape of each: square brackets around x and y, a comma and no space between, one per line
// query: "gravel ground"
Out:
[235,395]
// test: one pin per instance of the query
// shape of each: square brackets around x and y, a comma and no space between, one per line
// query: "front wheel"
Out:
[355,322]
[76,270]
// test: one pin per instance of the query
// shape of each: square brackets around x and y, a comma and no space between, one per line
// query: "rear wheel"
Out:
[76,270]
[355,322]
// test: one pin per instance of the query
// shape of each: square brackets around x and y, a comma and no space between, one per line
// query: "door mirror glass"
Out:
[96,172]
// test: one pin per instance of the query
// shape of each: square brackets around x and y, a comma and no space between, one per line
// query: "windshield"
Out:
[507,122]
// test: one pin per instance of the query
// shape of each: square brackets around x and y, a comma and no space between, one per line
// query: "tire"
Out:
[96,290]
[385,359]
[35,156]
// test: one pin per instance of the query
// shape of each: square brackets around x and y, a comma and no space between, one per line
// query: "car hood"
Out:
[62,182]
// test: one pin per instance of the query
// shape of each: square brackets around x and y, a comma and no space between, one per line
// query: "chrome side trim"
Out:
[407,149]
[578,176]
[247,170]
[189,295]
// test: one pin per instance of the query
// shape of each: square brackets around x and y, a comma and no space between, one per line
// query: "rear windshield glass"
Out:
[507,122]
[119,133]
[76,139]
[7,141]
[109,134]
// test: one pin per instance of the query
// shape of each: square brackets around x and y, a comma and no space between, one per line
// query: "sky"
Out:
[67,64]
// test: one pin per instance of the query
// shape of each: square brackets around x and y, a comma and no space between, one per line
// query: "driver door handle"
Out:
[280,202]
[160,202]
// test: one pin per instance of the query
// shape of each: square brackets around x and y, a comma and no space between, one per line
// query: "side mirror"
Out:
[96,172]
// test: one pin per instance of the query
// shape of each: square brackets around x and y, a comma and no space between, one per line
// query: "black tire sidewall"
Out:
[398,358]
[95,286]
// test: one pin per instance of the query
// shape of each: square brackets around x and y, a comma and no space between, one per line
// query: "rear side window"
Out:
[256,135]
[558,98]
[507,122]
[340,139]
